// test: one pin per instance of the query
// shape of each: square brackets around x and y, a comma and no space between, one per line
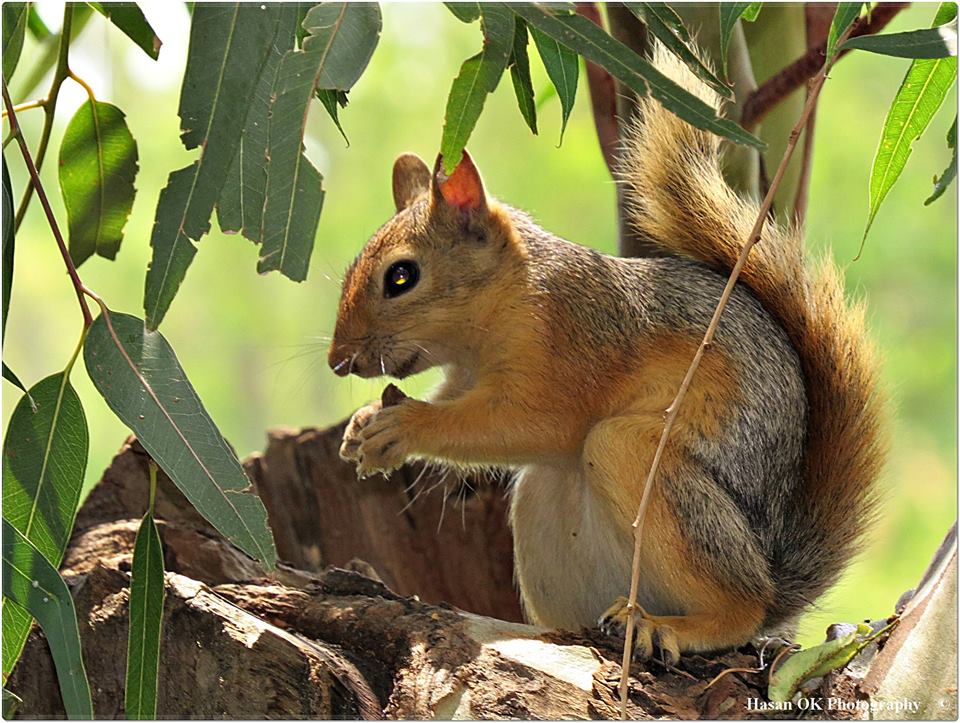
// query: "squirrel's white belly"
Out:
[572,561]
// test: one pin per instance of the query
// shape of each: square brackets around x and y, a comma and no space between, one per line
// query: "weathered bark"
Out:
[304,642]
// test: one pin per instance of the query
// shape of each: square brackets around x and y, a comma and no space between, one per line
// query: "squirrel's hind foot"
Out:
[650,633]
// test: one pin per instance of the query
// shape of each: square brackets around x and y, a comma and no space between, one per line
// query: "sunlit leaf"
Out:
[580,34]
[141,380]
[520,75]
[563,69]
[44,460]
[35,23]
[146,618]
[938,42]
[815,662]
[14,27]
[241,202]
[927,83]
[662,22]
[228,46]
[332,101]
[845,14]
[946,178]
[478,77]
[32,582]
[730,12]
[98,166]
[130,20]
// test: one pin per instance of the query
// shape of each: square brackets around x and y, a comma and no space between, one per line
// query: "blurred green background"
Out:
[254,346]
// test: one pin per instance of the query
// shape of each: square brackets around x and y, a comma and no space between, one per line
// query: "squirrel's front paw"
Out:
[649,634]
[350,447]
[384,441]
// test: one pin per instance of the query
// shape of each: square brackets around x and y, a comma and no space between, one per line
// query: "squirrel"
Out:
[560,362]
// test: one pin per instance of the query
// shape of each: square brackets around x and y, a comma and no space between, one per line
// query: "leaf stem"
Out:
[38,103]
[816,84]
[51,219]
[80,81]
[49,108]
[152,468]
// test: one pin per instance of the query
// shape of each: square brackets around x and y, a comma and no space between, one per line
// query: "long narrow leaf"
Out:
[466,12]
[340,42]
[580,34]
[146,618]
[938,42]
[14,27]
[228,45]
[98,166]
[9,242]
[730,13]
[241,202]
[478,77]
[332,101]
[520,75]
[142,381]
[44,460]
[946,178]
[563,69]
[920,95]
[130,20]
[32,582]
[662,22]
[845,14]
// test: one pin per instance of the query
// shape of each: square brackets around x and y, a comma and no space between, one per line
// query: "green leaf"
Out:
[563,69]
[478,78]
[940,42]
[344,36]
[13,378]
[146,618]
[8,243]
[924,87]
[44,460]
[35,23]
[98,165]
[662,22]
[465,11]
[129,19]
[730,12]
[815,662]
[14,27]
[520,75]
[845,14]
[580,34]
[332,100]
[228,46]
[341,40]
[241,202]
[946,178]
[32,582]
[141,380]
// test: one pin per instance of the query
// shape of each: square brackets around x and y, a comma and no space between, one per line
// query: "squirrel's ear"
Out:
[411,179]
[463,189]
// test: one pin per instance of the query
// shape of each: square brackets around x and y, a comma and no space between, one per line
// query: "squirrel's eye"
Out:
[401,276]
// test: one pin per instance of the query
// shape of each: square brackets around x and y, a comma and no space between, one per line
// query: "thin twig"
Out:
[51,219]
[776,88]
[49,107]
[39,103]
[671,414]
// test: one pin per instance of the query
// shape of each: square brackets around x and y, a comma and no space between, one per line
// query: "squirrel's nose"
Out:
[339,361]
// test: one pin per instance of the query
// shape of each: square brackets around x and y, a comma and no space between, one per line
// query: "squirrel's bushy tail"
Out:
[678,200]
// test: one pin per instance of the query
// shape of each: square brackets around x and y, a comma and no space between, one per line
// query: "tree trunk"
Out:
[308,642]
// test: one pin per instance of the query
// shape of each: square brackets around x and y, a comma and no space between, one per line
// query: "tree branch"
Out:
[776,88]
[603,97]
[41,194]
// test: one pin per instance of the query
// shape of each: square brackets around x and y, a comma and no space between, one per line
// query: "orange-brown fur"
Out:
[560,363]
